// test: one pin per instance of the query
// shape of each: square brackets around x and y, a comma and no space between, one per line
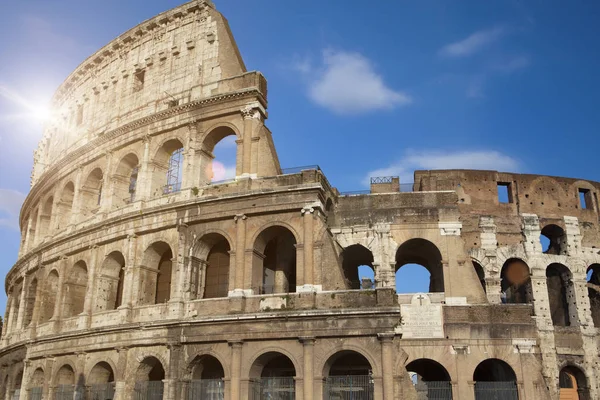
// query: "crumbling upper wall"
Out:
[177,57]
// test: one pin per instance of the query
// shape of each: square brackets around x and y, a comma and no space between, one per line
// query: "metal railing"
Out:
[65,392]
[103,391]
[434,390]
[496,391]
[172,188]
[382,179]
[403,188]
[272,388]
[206,389]
[152,390]
[297,170]
[35,393]
[351,387]
[16,394]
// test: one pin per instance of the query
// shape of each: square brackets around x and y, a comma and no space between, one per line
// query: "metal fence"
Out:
[273,388]
[435,390]
[152,390]
[351,387]
[103,391]
[297,170]
[16,394]
[35,393]
[206,389]
[65,392]
[496,391]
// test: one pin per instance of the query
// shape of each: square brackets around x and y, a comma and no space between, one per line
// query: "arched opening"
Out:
[274,261]
[210,267]
[15,295]
[31,233]
[45,219]
[219,155]
[109,286]
[49,296]
[561,295]
[101,382]
[149,379]
[167,167]
[495,379]
[75,288]
[593,285]
[15,391]
[553,240]
[65,382]
[125,180]
[515,282]
[155,276]
[90,194]
[208,379]
[64,206]
[416,255]
[357,263]
[272,377]
[348,375]
[573,384]
[480,274]
[36,384]
[29,302]
[431,379]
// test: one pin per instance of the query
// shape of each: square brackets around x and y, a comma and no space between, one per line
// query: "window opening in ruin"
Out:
[79,119]
[553,240]
[348,372]
[274,261]
[76,287]
[49,296]
[174,172]
[109,285]
[155,277]
[357,265]
[172,103]
[91,193]
[101,382]
[585,199]
[217,271]
[45,219]
[431,379]
[515,282]
[419,267]
[504,192]
[480,274]
[223,165]
[163,280]
[30,295]
[133,183]
[138,80]
[272,376]
[561,295]
[65,382]
[593,284]
[36,384]
[494,378]
[208,379]
[64,206]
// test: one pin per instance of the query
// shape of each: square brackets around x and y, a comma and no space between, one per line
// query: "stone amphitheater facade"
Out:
[140,278]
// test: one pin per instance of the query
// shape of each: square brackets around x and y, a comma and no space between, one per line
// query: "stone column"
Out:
[387,362]
[76,206]
[237,272]
[120,374]
[37,302]
[38,226]
[236,368]
[57,314]
[181,270]
[22,301]
[191,177]
[144,183]
[248,113]
[28,238]
[107,185]
[90,292]
[308,249]
[308,373]
[130,283]
[8,315]
[173,373]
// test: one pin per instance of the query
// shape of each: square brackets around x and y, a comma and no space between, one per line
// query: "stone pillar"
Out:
[144,183]
[28,238]
[38,226]
[191,175]
[120,375]
[8,315]
[129,282]
[37,302]
[308,343]
[236,272]
[90,292]
[308,251]
[573,234]
[248,114]
[22,301]
[236,368]
[57,314]
[387,362]
[76,206]
[48,388]
[171,383]
[182,273]
[107,185]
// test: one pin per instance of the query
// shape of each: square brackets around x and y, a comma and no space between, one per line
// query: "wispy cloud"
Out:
[476,83]
[512,64]
[347,82]
[473,43]
[437,159]
[10,205]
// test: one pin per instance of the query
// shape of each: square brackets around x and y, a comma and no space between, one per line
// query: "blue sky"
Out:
[377,88]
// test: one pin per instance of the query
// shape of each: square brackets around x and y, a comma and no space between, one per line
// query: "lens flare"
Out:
[27,109]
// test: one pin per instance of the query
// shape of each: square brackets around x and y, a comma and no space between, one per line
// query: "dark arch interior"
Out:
[516,282]
[348,363]
[428,370]
[571,377]
[480,274]
[101,373]
[426,254]
[494,370]
[207,367]
[354,257]
[277,245]
[593,279]
[553,239]
[272,364]
[150,370]
[559,293]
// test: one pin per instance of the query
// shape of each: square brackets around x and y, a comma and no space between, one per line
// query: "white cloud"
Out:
[222,172]
[10,205]
[513,64]
[473,43]
[437,159]
[347,83]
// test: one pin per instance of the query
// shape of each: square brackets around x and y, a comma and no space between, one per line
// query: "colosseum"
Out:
[141,277]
